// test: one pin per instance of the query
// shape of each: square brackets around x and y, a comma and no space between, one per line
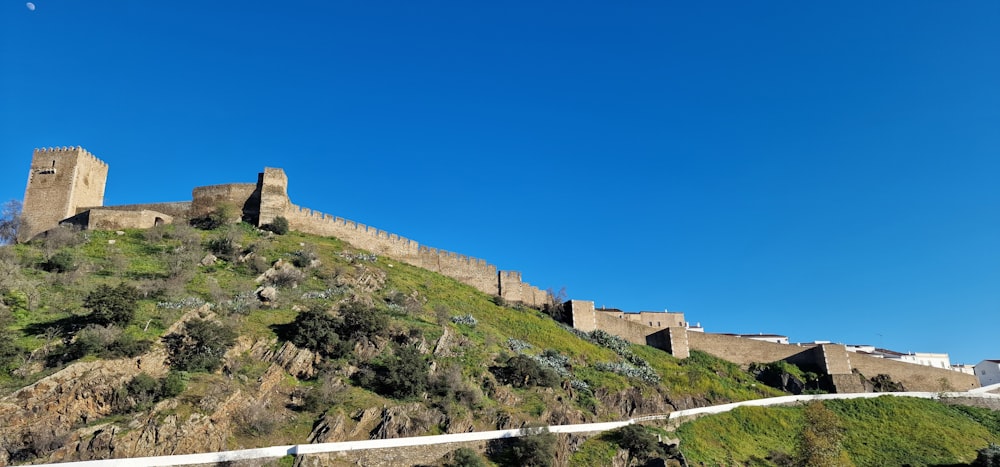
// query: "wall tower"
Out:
[61,182]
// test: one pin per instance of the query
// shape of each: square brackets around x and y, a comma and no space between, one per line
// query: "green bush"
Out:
[200,347]
[142,391]
[640,443]
[536,449]
[988,456]
[112,305]
[405,374]
[400,376]
[279,226]
[359,321]
[316,330]
[9,350]
[219,217]
[523,371]
[60,261]
[465,457]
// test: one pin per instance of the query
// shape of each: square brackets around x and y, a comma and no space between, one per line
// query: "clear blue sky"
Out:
[825,170]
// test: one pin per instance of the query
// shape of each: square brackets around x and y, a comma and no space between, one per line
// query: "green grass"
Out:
[882,431]
[139,258]
[597,450]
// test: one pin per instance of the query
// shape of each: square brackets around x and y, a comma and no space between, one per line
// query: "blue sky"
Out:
[816,169]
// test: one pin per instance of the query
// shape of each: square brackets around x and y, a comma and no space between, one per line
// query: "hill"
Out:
[173,340]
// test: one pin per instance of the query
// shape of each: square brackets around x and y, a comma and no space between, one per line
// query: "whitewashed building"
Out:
[988,372]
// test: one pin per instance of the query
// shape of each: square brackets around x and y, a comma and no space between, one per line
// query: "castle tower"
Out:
[61,182]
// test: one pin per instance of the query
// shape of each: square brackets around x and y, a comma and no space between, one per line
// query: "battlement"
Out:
[61,182]
[71,151]
[66,185]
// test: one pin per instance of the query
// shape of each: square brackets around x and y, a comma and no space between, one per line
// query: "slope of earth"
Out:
[175,340]
[881,431]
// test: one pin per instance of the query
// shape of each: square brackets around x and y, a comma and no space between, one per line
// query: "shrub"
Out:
[9,350]
[449,385]
[537,448]
[465,457]
[360,321]
[172,385]
[255,420]
[112,305]
[125,345]
[316,330]
[523,371]
[61,261]
[142,391]
[286,277]
[988,456]
[400,376]
[467,320]
[304,258]
[219,217]
[405,374]
[279,226]
[639,442]
[200,347]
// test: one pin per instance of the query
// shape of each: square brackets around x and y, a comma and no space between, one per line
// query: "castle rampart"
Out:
[68,184]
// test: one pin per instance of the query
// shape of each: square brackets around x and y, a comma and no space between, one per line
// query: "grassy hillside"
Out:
[882,431]
[393,350]
[474,362]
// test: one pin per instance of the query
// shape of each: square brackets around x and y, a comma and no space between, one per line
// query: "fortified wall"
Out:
[476,272]
[832,359]
[66,185]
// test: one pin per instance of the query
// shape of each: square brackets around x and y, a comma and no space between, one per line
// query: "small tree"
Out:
[360,321]
[112,305]
[10,221]
[200,347]
[465,457]
[522,371]
[316,330]
[537,448]
[405,374]
[640,443]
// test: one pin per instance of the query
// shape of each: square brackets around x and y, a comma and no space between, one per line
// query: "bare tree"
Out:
[10,221]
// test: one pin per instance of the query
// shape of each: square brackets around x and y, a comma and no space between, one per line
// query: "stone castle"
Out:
[66,186]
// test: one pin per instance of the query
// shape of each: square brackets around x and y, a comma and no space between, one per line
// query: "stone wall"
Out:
[914,377]
[110,219]
[475,272]
[60,181]
[744,351]
[653,319]
[582,315]
[631,331]
[177,209]
[206,199]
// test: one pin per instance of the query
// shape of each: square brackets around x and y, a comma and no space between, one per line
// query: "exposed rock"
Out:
[266,294]
[208,260]
[282,273]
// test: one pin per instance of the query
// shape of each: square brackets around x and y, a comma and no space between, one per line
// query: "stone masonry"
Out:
[67,185]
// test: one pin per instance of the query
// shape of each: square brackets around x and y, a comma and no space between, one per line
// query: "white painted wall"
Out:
[988,372]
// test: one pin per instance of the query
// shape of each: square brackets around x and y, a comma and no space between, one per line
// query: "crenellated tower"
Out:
[61,183]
